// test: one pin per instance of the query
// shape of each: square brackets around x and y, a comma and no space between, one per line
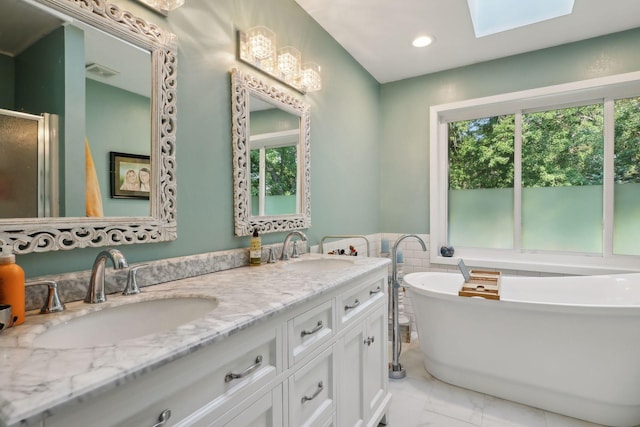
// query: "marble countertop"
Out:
[36,380]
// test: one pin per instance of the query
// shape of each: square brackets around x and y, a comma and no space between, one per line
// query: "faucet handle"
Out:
[131,287]
[53,303]
[295,253]
[272,256]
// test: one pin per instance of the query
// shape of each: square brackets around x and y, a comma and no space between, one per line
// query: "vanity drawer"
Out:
[358,299]
[265,412]
[312,392]
[195,384]
[240,373]
[309,330]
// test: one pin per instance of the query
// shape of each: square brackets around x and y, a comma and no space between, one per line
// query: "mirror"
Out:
[113,89]
[272,157]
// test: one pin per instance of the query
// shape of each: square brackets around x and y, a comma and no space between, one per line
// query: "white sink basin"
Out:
[319,265]
[115,324]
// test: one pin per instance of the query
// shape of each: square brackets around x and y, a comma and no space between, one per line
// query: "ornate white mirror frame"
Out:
[27,235]
[243,86]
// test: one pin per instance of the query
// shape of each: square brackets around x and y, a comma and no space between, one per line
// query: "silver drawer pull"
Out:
[163,418]
[352,306]
[375,291]
[369,340]
[314,395]
[313,331]
[233,376]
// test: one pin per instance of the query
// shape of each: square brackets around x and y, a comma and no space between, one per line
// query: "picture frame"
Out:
[130,175]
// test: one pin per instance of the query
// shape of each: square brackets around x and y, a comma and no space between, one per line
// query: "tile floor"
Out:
[422,400]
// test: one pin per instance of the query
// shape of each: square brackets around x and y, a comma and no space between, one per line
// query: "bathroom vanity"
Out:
[295,343]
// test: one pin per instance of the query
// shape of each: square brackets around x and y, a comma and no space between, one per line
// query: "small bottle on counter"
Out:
[12,286]
[255,249]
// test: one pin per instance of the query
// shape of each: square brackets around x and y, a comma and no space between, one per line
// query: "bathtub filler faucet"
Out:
[95,293]
[396,371]
[295,254]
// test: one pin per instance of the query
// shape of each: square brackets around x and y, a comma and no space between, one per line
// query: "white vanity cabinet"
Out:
[319,363]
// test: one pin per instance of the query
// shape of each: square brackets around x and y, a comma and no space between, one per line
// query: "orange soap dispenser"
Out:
[12,286]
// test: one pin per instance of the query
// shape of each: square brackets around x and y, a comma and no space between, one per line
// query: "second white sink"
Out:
[319,265]
[115,324]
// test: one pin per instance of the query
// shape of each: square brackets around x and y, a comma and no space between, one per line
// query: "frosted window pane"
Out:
[626,220]
[481,218]
[562,218]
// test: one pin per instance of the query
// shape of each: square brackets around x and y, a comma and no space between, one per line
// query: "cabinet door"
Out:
[376,373]
[351,354]
[364,395]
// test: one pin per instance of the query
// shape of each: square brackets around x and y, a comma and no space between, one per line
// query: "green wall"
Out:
[404,156]
[50,79]
[344,132]
[110,108]
[7,78]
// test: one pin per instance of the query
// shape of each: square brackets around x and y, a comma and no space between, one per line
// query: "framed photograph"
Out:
[130,176]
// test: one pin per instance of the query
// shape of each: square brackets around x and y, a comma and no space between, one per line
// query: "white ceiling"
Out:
[378,33]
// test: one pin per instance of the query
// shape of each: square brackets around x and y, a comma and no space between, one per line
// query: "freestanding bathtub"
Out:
[569,345]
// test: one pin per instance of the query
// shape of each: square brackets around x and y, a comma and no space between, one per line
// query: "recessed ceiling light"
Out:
[422,41]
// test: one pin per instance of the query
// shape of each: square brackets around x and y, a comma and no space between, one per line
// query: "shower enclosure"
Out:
[28,165]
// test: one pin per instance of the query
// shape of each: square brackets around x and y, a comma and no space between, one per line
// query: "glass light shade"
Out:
[310,78]
[173,4]
[267,65]
[163,5]
[261,43]
[289,63]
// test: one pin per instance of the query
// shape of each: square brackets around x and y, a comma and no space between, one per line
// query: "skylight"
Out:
[494,16]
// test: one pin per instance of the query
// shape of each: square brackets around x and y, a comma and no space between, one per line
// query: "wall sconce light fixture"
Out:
[162,6]
[257,47]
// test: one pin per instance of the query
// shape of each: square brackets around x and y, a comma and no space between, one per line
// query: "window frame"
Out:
[604,90]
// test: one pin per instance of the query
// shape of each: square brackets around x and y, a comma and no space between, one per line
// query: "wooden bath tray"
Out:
[485,284]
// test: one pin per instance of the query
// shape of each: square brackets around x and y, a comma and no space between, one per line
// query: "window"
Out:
[626,163]
[545,180]
[562,166]
[481,182]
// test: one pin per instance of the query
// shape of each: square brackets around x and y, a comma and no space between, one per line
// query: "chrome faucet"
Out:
[285,254]
[95,293]
[396,371]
